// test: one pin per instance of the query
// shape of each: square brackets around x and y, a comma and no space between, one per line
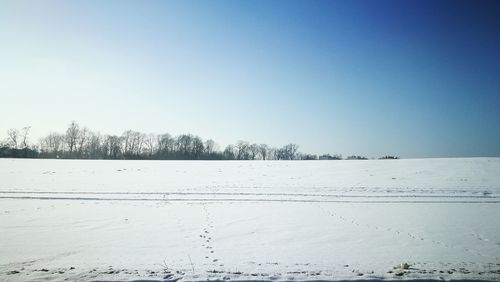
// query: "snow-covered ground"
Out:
[250,220]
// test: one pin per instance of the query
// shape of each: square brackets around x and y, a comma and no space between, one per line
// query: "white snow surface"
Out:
[249,220]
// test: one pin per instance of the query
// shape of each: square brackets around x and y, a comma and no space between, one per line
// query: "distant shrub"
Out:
[388,158]
[6,152]
[330,157]
[308,157]
[356,158]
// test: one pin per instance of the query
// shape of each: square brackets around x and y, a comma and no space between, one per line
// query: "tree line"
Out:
[79,142]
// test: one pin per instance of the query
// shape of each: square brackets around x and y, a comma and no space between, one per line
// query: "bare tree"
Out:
[279,154]
[13,137]
[184,144]
[52,144]
[165,145]
[139,142]
[72,136]
[133,143]
[24,136]
[82,138]
[271,153]
[254,151]
[229,152]
[197,147]
[289,152]
[94,147]
[242,150]
[210,146]
[263,149]
[113,146]
[127,141]
[150,142]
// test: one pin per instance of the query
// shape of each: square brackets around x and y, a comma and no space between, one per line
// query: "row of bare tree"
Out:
[81,143]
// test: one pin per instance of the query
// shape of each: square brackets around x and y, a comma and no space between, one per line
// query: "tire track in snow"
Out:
[247,200]
[165,194]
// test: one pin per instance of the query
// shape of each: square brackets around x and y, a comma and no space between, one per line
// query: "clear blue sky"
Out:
[410,78]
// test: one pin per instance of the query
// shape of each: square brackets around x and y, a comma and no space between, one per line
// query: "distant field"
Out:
[250,220]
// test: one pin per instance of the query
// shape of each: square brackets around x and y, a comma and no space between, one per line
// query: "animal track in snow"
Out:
[410,235]
[207,238]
